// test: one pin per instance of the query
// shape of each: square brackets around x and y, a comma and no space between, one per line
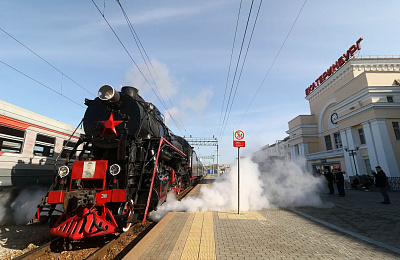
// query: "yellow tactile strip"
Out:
[200,243]
[243,215]
[180,243]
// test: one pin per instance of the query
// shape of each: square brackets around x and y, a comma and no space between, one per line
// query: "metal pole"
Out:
[354,161]
[213,166]
[238,180]
[217,162]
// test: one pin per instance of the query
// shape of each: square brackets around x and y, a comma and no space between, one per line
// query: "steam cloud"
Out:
[270,183]
[166,84]
[21,209]
[168,87]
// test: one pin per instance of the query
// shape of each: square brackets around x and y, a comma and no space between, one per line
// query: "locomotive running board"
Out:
[162,140]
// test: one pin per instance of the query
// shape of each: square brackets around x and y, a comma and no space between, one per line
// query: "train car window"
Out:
[67,148]
[11,131]
[44,145]
[10,146]
[11,139]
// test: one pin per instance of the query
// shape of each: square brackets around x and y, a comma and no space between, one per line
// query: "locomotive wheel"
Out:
[126,211]
[178,189]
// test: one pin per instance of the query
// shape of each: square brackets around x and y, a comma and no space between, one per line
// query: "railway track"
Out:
[106,247]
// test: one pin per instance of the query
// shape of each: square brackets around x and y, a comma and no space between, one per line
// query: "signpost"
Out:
[239,141]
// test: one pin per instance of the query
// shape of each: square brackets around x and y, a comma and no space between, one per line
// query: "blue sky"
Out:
[189,44]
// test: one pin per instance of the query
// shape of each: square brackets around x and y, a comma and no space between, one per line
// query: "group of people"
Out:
[337,177]
[365,181]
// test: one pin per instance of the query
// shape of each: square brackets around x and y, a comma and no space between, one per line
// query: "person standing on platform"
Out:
[329,179]
[339,179]
[381,183]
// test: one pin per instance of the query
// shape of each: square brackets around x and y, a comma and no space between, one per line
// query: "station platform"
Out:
[357,226]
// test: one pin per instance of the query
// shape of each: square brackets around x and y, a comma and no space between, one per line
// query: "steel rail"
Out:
[103,251]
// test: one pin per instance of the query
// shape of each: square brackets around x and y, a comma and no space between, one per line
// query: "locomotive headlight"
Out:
[106,92]
[115,169]
[63,171]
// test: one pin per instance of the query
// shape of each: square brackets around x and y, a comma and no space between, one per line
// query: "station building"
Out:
[354,120]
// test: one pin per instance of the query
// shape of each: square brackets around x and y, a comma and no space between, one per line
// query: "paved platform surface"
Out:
[357,226]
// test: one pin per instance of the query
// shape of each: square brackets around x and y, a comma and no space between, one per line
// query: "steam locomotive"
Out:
[120,170]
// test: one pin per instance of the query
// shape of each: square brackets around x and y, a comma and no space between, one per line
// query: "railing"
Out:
[377,56]
[325,154]
[394,182]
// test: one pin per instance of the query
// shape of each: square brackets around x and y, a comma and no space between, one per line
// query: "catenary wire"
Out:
[145,59]
[126,50]
[51,65]
[136,37]
[244,60]
[237,64]
[273,62]
[230,63]
[40,83]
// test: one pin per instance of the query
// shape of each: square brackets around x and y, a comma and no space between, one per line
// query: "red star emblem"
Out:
[109,125]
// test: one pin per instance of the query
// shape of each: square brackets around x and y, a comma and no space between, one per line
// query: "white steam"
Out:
[160,76]
[268,184]
[179,103]
[174,113]
[21,209]
[198,101]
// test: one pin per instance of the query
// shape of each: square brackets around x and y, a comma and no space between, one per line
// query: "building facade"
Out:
[354,120]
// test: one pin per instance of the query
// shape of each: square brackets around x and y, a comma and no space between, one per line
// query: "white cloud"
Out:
[168,89]
[175,113]
[199,101]
[155,74]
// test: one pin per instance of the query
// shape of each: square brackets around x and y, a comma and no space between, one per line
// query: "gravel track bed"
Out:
[17,240]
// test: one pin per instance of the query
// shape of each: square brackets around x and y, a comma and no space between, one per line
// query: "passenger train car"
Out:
[29,146]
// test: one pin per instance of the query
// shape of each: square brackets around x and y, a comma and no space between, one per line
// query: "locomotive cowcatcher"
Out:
[120,170]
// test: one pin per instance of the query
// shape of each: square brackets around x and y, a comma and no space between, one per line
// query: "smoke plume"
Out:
[179,104]
[270,183]
[20,209]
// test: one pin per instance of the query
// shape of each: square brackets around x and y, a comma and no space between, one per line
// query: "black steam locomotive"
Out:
[120,169]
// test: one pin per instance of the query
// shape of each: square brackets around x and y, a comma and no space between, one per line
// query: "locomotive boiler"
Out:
[120,169]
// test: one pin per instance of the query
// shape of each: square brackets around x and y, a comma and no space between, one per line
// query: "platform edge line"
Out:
[141,247]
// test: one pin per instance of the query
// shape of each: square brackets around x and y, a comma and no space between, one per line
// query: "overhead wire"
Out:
[145,59]
[244,61]
[51,65]
[137,40]
[273,62]
[230,63]
[35,80]
[137,66]
[237,65]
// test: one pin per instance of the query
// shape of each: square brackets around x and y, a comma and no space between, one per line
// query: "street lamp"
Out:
[352,152]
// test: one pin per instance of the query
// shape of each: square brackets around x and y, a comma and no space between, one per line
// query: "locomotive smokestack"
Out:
[108,93]
[130,91]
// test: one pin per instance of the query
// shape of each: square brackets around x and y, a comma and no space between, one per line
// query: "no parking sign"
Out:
[238,141]
[239,138]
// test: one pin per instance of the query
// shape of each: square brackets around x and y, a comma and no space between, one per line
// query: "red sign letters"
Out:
[345,57]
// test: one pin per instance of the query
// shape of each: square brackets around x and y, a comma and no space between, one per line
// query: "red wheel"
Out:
[126,211]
